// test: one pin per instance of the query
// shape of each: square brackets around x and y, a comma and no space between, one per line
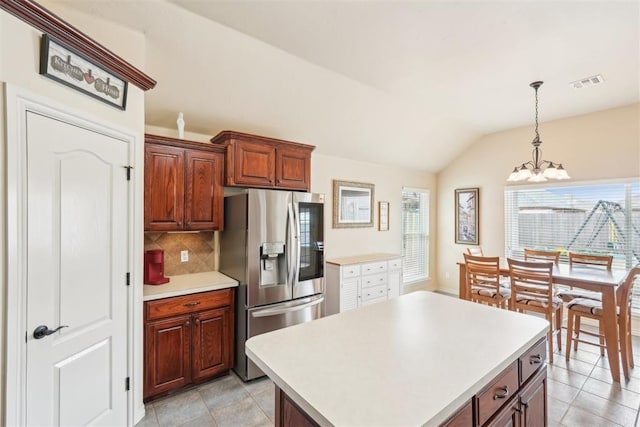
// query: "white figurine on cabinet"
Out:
[180,123]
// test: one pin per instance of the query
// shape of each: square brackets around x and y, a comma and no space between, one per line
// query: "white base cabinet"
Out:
[362,280]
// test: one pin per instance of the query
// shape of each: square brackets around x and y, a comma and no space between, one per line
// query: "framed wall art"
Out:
[64,65]
[466,211]
[352,204]
[383,216]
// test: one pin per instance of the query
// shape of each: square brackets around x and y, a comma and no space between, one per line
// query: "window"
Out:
[415,234]
[600,218]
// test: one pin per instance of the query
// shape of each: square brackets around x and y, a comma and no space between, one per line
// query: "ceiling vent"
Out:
[587,81]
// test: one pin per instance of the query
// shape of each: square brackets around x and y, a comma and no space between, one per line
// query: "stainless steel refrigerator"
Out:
[273,244]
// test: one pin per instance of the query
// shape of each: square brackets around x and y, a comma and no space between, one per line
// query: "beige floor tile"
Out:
[562,375]
[562,392]
[577,417]
[245,412]
[557,410]
[613,392]
[606,408]
[180,408]
[223,392]
[205,420]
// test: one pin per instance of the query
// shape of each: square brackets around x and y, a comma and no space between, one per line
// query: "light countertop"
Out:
[188,284]
[410,361]
[357,259]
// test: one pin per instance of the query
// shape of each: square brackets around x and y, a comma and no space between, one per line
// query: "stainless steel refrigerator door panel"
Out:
[266,319]
[267,216]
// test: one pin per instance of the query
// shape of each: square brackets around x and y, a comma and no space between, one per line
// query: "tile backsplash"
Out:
[202,246]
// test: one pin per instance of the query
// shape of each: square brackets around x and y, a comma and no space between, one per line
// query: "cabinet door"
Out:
[349,294]
[167,355]
[293,169]
[212,342]
[163,188]
[204,191]
[395,279]
[509,416]
[533,400]
[253,165]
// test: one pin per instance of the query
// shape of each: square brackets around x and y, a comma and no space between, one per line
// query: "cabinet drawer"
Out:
[532,360]
[374,280]
[374,267]
[395,264]
[188,304]
[349,271]
[497,393]
[374,292]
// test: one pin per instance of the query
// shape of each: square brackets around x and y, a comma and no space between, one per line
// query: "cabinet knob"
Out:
[179,224]
[197,321]
[187,323]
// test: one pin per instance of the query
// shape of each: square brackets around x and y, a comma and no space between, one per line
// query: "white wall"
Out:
[601,145]
[19,64]
[388,181]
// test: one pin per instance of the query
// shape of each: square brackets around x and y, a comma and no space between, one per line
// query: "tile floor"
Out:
[580,394]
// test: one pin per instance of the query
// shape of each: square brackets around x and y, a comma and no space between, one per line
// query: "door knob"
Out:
[44,331]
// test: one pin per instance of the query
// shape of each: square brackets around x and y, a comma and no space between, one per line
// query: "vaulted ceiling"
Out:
[410,83]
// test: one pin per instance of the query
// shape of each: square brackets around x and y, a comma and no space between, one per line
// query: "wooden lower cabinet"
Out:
[528,408]
[211,331]
[187,341]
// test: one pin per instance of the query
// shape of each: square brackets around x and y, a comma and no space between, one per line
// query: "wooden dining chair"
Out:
[590,308]
[603,262]
[535,255]
[484,283]
[475,251]
[532,291]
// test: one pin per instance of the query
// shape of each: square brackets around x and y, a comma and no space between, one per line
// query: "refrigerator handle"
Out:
[291,246]
[277,311]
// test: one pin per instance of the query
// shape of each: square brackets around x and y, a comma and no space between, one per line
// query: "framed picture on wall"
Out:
[352,204]
[383,216]
[466,211]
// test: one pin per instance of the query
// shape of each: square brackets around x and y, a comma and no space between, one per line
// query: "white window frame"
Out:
[410,279]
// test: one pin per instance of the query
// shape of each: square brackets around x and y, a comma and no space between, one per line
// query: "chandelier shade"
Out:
[537,169]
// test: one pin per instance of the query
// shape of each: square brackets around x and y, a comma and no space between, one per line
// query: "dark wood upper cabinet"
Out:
[257,161]
[204,194]
[164,187]
[183,185]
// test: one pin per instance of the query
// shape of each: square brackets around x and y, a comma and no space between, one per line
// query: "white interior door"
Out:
[77,258]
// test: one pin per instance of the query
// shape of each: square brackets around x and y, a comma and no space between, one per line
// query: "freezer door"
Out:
[277,316]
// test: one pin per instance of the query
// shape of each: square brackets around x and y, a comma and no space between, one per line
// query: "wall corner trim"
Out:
[37,16]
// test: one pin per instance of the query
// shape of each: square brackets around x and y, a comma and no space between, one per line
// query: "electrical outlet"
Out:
[184,256]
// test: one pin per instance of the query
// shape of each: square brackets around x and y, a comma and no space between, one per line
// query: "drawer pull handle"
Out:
[504,394]
[192,304]
[535,359]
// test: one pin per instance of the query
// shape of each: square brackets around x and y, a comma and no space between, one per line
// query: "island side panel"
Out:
[289,414]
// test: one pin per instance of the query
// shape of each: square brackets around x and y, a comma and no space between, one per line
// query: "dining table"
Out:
[583,277]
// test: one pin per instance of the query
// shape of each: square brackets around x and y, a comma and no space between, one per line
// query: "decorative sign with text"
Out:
[65,65]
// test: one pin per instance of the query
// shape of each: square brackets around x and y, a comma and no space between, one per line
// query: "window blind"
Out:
[595,218]
[415,234]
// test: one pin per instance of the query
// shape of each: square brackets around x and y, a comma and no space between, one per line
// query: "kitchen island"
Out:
[414,360]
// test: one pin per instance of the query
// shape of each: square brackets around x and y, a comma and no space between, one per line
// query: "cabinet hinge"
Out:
[128,168]
[127,384]
[128,279]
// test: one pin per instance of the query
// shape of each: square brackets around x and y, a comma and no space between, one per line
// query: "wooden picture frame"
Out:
[383,216]
[65,65]
[467,218]
[352,204]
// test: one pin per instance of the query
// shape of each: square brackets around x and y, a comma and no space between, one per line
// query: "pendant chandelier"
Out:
[537,170]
